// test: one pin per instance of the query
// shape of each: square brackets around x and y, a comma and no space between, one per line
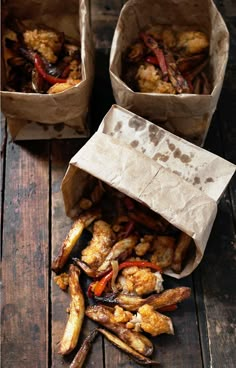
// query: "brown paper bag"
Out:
[62,115]
[186,115]
[178,180]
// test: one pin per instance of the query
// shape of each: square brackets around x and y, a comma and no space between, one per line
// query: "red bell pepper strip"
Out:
[168,308]
[152,60]
[100,286]
[38,62]
[89,291]
[152,44]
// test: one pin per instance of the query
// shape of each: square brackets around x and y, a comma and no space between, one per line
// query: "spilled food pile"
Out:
[39,59]
[129,246]
[166,60]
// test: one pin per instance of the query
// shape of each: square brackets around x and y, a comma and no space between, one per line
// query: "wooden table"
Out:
[33,224]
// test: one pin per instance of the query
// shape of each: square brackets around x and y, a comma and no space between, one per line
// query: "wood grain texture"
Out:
[104,16]
[25,257]
[215,278]
[3,142]
[61,154]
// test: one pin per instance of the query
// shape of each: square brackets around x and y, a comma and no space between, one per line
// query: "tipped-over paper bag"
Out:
[174,178]
[186,115]
[61,115]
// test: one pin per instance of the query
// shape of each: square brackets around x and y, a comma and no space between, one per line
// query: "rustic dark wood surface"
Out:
[33,224]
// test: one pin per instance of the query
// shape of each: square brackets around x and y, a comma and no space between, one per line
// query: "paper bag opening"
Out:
[186,115]
[136,168]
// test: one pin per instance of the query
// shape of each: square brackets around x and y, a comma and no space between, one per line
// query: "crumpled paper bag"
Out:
[62,115]
[178,180]
[186,115]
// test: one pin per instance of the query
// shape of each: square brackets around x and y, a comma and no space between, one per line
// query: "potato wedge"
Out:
[104,316]
[73,236]
[76,317]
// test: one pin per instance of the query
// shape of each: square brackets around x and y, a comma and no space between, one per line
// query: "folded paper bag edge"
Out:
[221,170]
[176,212]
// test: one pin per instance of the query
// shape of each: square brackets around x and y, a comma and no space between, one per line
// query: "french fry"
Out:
[180,252]
[73,236]
[157,301]
[80,357]
[76,317]
[137,357]
[104,316]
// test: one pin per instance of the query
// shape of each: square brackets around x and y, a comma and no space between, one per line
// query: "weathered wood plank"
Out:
[3,140]
[214,285]
[25,257]
[62,152]
[104,15]
[216,276]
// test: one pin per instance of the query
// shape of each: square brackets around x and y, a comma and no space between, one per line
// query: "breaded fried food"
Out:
[124,246]
[163,251]
[62,280]
[192,42]
[104,315]
[139,281]
[152,321]
[48,43]
[100,245]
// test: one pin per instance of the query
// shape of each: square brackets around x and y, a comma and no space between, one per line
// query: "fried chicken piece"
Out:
[152,321]
[164,87]
[147,77]
[163,247]
[120,315]
[48,43]
[100,245]
[140,281]
[192,42]
[121,250]
[62,280]
[144,245]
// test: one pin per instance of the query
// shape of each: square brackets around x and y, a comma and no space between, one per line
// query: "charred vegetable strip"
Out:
[168,308]
[104,316]
[39,65]
[157,301]
[138,358]
[148,220]
[73,236]
[77,309]
[153,45]
[191,75]
[80,357]
[177,80]
[101,285]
